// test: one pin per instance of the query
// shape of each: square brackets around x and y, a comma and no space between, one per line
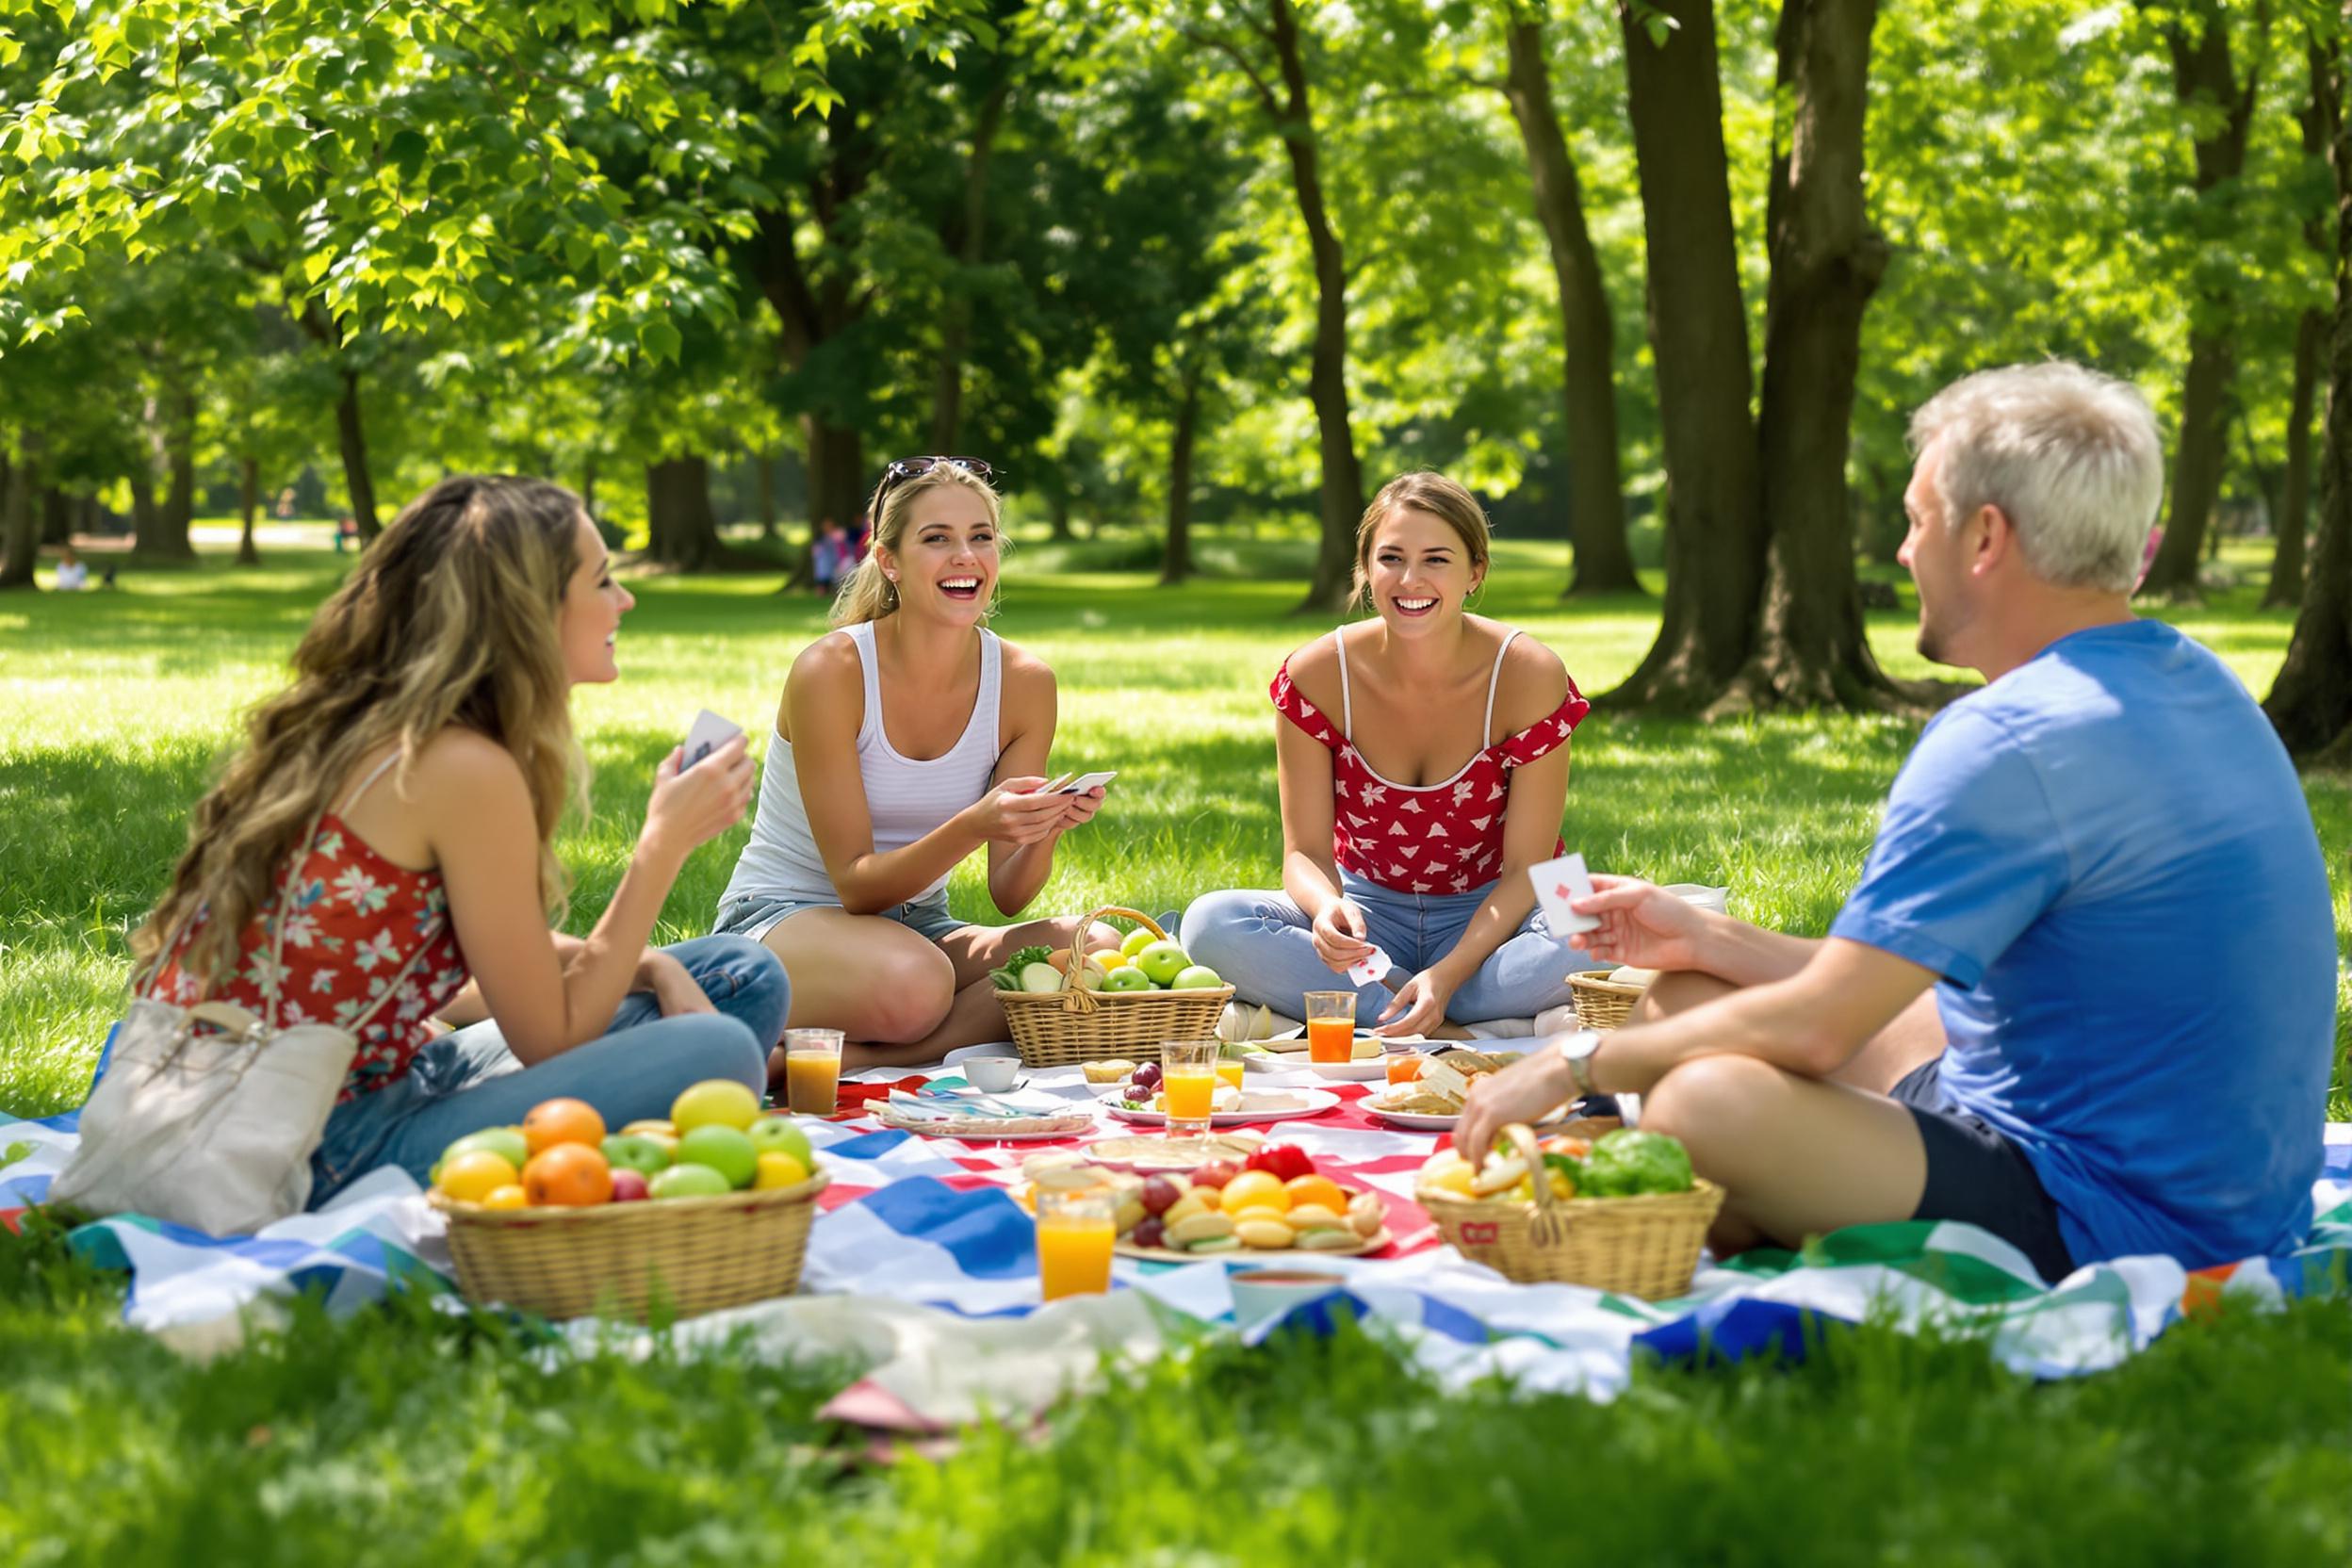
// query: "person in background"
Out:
[907,740]
[829,555]
[73,572]
[1405,827]
[2085,994]
[381,855]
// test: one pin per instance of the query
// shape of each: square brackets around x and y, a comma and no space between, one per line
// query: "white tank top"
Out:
[905,798]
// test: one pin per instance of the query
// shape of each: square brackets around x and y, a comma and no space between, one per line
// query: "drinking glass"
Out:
[812,1071]
[1330,1026]
[1076,1230]
[1188,1084]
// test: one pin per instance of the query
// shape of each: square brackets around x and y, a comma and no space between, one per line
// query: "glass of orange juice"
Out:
[1188,1083]
[1330,1026]
[1229,1074]
[812,1071]
[1076,1230]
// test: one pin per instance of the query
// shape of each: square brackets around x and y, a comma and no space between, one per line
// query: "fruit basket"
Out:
[1075,1024]
[1603,1004]
[1644,1246]
[684,1256]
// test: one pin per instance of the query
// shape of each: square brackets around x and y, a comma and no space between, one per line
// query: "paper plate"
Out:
[985,1130]
[1257,1105]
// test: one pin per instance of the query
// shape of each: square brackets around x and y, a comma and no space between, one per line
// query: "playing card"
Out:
[1373,966]
[1556,883]
[706,734]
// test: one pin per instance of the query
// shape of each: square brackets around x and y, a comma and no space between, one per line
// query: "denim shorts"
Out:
[1975,1173]
[754,915]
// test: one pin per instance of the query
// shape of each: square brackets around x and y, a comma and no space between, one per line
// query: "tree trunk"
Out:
[1597,500]
[357,484]
[1826,263]
[763,487]
[249,502]
[947,405]
[1698,336]
[681,532]
[57,516]
[1057,501]
[2311,342]
[1176,559]
[1327,379]
[2202,75]
[179,502]
[2311,702]
[20,520]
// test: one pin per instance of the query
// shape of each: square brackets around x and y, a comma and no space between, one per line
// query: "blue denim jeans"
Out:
[1261,944]
[468,1079]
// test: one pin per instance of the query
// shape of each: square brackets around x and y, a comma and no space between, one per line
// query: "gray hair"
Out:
[2072,457]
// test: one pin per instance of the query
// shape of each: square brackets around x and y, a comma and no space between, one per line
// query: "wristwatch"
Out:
[1576,1051]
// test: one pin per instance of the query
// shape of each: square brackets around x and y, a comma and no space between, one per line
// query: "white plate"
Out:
[1371,1070]
[1412,1121]
[1269,1106]
[974,1134]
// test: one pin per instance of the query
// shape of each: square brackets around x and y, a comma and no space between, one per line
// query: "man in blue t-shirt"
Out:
[2084,993]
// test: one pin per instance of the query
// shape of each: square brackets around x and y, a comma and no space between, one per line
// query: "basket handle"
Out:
[1075,997]
[1549,1224]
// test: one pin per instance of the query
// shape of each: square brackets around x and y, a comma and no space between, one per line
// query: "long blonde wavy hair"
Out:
[866,595]
[451,618]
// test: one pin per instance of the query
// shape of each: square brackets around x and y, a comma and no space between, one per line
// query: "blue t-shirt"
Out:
[2107,857]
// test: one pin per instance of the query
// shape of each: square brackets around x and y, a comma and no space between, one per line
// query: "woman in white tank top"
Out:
[907,740]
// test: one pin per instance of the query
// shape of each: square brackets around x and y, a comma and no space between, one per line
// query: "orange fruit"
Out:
[1253,1188]
[474,1175]
[510,1195]
[569,1175]
[1305,1190]
[554,1122]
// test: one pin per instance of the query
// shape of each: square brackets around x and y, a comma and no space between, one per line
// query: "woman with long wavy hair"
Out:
[380,853]
[907,740]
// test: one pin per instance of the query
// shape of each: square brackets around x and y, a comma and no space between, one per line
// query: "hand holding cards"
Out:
[1077,783]
[1373,966]
[1557,883]
[706,734]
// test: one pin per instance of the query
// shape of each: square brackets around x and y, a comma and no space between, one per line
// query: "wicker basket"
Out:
[682,1257]
[1603,1004]
[1646,1246]
[1074,1024]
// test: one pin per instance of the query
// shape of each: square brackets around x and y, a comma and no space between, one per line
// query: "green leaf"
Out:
[659,339]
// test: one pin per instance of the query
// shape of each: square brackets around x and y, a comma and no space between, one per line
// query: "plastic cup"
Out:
[1188,1085]
[812,1071]
[1076,1230]
[1330,1026]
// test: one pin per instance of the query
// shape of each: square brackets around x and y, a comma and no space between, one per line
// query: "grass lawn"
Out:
[425,1438]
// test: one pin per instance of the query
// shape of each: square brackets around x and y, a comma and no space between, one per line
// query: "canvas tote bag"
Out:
[215,1129]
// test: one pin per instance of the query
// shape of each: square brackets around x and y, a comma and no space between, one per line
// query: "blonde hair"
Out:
[450,619]
[2072,457]
[866,595]
[1435,494]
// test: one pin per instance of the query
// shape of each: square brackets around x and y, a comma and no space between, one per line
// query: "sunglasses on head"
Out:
[907,468]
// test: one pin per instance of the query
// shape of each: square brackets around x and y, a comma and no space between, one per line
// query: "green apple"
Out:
[775,1135]
[688,1181]
[1137,939]
[636,1152]
[505,1142]
[714,1103]
[1200,977]
[725,1150]
[1126,977]
[1162,961]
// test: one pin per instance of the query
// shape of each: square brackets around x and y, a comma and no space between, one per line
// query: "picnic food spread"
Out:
[1440,1085]
[1224,1207]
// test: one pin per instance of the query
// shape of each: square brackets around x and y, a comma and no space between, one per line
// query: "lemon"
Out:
[474,1175]
[778,1170]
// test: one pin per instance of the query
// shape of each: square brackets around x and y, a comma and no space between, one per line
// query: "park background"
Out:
[1662,282]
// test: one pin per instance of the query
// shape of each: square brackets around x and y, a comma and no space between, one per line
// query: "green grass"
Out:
[427,1439]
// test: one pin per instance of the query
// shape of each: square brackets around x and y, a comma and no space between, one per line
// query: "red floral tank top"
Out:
[353,919]
[1443,838]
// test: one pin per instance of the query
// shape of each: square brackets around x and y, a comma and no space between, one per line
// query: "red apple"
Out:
[627,1186]
[1215,1174]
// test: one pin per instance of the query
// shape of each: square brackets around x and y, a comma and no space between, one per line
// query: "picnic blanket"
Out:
[922,1268]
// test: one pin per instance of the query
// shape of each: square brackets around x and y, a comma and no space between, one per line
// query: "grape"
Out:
[1149,1231]
[1159,1195]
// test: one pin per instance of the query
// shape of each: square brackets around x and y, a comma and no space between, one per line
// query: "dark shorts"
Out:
[1975,1174]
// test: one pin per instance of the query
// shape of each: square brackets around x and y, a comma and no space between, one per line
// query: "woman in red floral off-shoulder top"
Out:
[1424,765]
